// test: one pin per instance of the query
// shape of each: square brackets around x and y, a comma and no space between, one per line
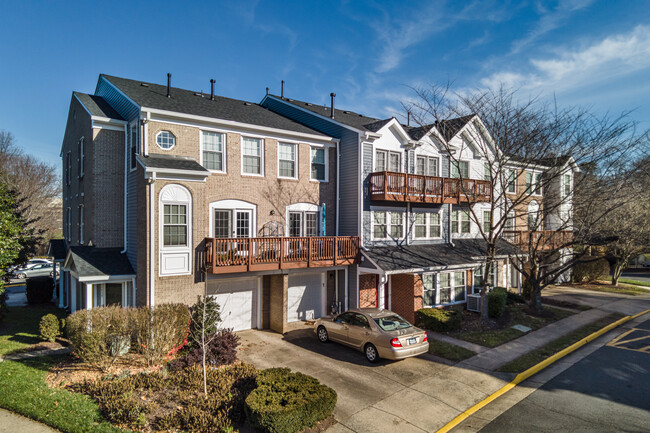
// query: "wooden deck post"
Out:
[250,255]
[336,250]
[309,251]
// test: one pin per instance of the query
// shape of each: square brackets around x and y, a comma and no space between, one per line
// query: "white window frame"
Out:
[428,226]
[224,148]
[233,206]
[81,157]
[511,181]
[99,294]
[452,287]
[566,184]
[295,160]
[487,171]
[459,222]
[389,224]
[387,154]
[303,209]
[427,165]
[175,194]
[535,186]
[458,164]
[261,156]
[159,133]
[325,149]
[486,229]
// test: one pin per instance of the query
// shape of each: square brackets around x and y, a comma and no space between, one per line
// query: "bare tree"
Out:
[205,320]
[515,136]
[279,195]
[36,182]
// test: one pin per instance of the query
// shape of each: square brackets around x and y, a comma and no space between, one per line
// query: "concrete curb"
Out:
[533,370]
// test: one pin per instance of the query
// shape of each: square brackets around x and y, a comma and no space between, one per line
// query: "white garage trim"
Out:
[247,309]
[306,296]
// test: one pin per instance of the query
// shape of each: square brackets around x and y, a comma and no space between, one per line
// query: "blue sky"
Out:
[587,52]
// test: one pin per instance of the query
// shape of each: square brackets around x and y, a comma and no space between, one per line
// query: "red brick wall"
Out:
[367,291]
[406,295]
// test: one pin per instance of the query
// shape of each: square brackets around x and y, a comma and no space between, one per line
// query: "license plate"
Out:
[412,340]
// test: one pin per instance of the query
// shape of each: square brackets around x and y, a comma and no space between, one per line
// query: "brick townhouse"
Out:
[169,193]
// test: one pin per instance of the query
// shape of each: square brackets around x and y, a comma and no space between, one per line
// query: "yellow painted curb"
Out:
[533,370]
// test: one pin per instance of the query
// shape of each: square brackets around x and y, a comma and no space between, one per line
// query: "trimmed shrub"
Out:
[514,298]
[222,350]
[438,320]
[39,290]
[3,304]
[590,269]
[157,332]
[286,402]
[49,327]
[497,302]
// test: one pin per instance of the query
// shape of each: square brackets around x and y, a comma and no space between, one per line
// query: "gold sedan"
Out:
[378,333]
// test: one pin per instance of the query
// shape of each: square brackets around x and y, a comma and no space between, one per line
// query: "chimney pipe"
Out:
[212,89]
[408,118]
[332,95]
[282,90]
[267,90]
[169,85]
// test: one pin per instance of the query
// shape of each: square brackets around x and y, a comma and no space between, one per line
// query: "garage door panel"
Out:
[237,300]
[305,296]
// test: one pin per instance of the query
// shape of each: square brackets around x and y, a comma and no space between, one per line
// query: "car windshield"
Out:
[392,323]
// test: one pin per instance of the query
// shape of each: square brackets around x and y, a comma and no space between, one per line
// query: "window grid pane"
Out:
[379,231]
[318,164]
[380,161]
[252,155]
[213,151]
[221,224]
[395,162]
[174,225]
[434,222]
[429,292]
[243,225]
[287,155]
[166,140]
[396,228]
[311,224]
[420,165]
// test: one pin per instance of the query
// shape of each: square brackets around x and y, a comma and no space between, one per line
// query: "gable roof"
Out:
[152,95]
[97,106]
[98,262]
[58,249]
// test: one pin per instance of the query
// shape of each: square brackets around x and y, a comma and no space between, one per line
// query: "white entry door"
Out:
[237,300]
[306,296]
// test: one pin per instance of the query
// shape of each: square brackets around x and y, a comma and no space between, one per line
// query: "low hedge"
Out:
[3,304]
[497,299]
[39,290]
[590,269]
[286,402]
[438,320]
[49,327]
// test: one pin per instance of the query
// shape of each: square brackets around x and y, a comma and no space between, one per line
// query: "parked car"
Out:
[30,264]
[37,270]
[377,333]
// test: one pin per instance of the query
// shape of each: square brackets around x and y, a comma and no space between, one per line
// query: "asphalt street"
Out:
[607,391]
[637,274]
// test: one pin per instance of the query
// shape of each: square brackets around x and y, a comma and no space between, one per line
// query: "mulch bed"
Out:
[471,322]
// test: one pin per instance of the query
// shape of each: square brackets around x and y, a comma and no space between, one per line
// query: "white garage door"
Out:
[238,302]
[306,296]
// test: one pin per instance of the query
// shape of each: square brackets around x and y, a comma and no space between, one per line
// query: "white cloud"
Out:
[611,57]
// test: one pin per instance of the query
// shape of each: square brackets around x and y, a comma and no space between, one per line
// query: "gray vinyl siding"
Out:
[349,160]
[129,111]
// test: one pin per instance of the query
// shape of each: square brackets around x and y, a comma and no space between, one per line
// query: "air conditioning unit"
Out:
[474,303]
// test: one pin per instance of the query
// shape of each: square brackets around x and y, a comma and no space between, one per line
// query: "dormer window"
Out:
[165,140]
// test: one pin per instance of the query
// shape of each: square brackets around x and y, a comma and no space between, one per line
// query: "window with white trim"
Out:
[120,294]
[388,161]
[426,165]
[428,290]
[511,181]
[487,221]
[487,171]
[445,288]
[460,169]
[287,156]
[252,161]
[233,223]
[426,225]
[318,164]
[175,225]
[509,224]
[303,223]
[478,277]
[533,183]
[81,157]
[214,151]
[460,222]
[165,140]
[452,287]
[175,230]
[388,225]
[567,185]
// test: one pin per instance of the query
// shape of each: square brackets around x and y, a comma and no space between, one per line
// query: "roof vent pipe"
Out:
[332,95]
[282,90]
[408,118]
[169,85]
[212,89]
[267,90]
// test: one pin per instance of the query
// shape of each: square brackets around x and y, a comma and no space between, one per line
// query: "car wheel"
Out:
[371,353]
[322,334]
[21,276]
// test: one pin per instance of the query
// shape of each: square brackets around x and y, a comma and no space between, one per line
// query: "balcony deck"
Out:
[229,255]
[415,188]
[541,240]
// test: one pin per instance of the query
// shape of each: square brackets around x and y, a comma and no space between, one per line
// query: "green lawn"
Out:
[633,282]
[524,362]
[624,289]
[449,351]
[23,390]
[493,338]
[20,327]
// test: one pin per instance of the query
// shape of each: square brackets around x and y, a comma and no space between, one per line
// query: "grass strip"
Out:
[634,282]
[536,356]
[621,290]
[23,390]
[449,351]
[20,327]
[497,337]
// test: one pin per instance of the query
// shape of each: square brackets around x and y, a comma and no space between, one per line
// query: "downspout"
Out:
[451,241]
[152,227]
[126,170]
[408,224]
[338,191]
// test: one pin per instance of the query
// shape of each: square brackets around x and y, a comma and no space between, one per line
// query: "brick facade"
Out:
[405,296]
[368,291]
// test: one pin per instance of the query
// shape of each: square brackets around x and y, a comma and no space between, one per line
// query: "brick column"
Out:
[279,288]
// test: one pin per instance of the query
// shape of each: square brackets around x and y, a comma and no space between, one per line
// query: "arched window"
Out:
[533,216]
[175,221]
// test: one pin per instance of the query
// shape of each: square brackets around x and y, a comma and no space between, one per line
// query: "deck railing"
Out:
[228,255]
[540,239]
[416,188]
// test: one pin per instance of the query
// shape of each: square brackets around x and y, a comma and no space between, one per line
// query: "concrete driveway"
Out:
[412,395]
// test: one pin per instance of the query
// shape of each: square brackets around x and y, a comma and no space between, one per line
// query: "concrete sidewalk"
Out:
[13,423]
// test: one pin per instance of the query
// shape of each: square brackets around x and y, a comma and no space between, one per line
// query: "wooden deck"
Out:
[229,255]
[415,188]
